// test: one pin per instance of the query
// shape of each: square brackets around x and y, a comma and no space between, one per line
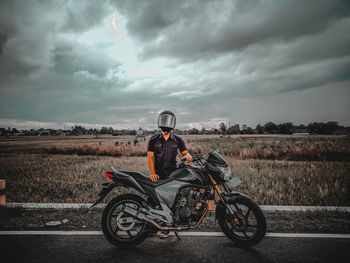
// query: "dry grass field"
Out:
[280,170]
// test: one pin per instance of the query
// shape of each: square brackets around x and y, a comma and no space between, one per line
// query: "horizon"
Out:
[68,126]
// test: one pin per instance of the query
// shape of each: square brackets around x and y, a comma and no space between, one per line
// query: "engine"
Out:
[189,206]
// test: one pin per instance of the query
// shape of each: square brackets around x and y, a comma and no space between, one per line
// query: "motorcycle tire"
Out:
[242,241]
[108,226]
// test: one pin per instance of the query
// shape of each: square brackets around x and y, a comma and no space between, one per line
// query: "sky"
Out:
[120,63]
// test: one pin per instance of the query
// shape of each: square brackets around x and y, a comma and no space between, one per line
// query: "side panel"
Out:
[128,181]
[186,175]
[167,192]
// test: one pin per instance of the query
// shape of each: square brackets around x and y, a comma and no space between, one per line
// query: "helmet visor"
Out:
[167,120]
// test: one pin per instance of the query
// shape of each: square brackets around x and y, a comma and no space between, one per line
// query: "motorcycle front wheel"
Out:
[247,227]
[119,228]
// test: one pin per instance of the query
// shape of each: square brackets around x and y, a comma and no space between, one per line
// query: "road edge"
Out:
[266,208]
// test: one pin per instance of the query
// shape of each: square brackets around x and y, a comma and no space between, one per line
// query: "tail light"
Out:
[110,176]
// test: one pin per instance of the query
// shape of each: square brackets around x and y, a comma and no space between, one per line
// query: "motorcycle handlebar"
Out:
[195,158]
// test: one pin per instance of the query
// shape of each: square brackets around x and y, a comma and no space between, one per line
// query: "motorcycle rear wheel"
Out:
[247,227]
[120,229]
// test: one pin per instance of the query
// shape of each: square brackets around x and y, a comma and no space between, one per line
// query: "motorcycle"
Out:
[180,203]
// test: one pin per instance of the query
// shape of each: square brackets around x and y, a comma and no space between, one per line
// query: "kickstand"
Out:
[177,235]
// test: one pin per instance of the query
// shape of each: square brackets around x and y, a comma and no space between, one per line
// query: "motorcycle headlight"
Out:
[226,172]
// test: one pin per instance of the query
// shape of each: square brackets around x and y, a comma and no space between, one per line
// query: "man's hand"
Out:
[154,177]
[188,157]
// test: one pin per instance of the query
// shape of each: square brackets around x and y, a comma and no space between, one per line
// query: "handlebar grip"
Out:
[196,158]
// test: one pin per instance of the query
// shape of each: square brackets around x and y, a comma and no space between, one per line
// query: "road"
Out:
[94,248]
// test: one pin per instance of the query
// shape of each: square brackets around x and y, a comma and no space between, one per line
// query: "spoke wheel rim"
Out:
[244,225]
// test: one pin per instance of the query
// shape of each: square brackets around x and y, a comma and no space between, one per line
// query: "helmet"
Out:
[166,120]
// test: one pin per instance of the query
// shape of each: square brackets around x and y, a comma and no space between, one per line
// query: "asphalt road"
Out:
[189,249]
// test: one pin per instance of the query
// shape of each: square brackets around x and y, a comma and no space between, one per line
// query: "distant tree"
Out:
[331,127]
[223,128]
[3,131]
[110,130]
[103,130]
[286,128]
[231,130]
[260,129]
[271,128]
[14,130]
[77,129]
[203,131]
[132,132]
[249,130]
[193,131]
[323,128]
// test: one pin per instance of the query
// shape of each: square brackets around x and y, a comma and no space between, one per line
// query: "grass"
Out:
[73,179]
[276,170]
[276,147]
[58,178]
[266,147]
[102,150]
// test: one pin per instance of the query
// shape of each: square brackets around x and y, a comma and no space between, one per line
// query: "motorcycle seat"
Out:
[144,179]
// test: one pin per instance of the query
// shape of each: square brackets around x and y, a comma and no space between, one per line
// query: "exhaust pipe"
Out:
[139,215]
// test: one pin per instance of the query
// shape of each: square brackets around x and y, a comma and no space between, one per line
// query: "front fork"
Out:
[222,197]
[236,215]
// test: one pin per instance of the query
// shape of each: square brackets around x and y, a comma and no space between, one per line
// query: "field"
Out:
[275,169]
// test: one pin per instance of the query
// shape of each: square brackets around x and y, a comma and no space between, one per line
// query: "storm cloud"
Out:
[119,63]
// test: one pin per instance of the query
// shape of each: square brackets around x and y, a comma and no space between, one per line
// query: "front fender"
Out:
[235,195]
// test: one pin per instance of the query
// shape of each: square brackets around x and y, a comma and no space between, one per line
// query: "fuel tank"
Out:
[187,175]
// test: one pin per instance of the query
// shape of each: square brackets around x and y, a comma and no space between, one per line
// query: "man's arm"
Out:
[184,151]
[154,177]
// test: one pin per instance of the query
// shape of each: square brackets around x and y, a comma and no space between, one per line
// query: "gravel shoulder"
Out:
[89,219]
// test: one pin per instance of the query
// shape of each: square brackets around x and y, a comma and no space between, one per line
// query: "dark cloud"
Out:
[70,57]
[204,28]
[3,40]
[148,19]
[82,15]
[27,27]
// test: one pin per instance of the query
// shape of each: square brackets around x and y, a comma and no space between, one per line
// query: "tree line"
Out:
[328,128]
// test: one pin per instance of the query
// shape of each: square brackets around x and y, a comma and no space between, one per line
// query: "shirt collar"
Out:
[172,136]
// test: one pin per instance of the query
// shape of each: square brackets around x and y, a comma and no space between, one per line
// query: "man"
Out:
[162,148]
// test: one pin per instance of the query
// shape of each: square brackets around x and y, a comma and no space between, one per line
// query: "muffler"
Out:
[141,216]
